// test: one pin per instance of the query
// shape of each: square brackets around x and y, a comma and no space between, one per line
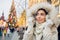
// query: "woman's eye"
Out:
[42,14]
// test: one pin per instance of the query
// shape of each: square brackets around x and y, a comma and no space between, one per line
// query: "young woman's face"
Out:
[41,16]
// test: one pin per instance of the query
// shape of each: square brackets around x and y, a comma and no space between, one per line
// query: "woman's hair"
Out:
[39,10]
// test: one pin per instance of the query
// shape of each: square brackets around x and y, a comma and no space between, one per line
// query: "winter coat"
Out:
[44,31]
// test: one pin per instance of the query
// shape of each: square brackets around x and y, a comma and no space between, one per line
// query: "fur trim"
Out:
[52,12]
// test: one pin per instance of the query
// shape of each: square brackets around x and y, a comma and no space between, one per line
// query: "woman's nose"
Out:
[39,16]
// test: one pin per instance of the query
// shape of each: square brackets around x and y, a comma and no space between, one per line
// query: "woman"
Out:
[42,23]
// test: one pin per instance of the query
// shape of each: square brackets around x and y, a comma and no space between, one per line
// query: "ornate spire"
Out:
[2,17]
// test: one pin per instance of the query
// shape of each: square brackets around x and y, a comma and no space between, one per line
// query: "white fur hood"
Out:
[52,12]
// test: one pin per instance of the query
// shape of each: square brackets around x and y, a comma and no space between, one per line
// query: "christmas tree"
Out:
[22,19]
[12,16]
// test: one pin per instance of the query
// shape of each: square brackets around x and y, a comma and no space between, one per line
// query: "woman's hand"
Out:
[49,23]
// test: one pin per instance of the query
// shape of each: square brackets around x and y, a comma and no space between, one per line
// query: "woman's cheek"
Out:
[43,18]
[37,18]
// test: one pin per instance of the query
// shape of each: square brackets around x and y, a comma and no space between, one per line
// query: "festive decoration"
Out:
[32,2]
[55,2]
[12,16]
[22,21]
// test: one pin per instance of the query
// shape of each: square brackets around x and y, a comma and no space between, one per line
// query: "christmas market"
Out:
[29,19]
